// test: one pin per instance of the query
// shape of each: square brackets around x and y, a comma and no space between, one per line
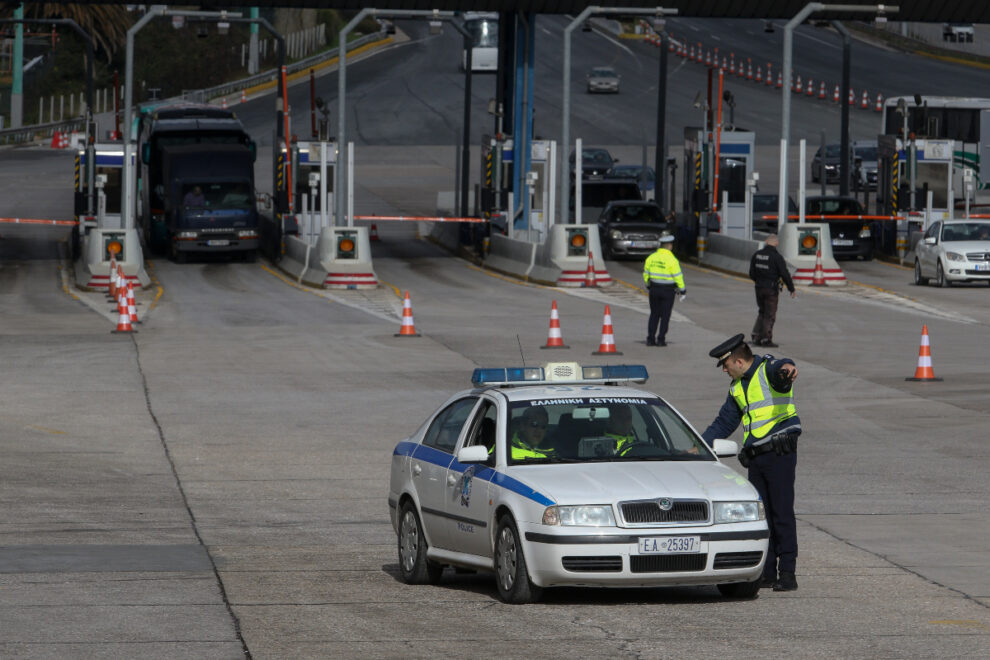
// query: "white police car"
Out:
[555,475]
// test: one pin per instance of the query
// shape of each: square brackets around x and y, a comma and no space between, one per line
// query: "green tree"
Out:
[106,24]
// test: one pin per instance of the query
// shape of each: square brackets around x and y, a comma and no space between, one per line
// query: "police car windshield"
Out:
[599,428]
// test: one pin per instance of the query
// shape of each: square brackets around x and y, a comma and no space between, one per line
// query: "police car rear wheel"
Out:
[740,589]
[511,574]
[415,567]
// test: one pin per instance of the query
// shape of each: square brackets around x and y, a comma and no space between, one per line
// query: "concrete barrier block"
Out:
[510,255]
[345,256]
[92,270]
[799,251]
[574,267]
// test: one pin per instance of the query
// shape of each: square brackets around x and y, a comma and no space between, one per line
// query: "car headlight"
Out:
[584,516]
[615,235]
[864,232]
[954,256]
[830,167]
[732,512]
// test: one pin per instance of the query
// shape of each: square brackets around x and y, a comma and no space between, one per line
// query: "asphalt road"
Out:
[214,485]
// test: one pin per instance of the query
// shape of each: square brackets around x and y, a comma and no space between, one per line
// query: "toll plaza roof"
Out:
[931,11]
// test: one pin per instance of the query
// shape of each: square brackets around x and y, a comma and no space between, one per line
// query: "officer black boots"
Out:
[786,582]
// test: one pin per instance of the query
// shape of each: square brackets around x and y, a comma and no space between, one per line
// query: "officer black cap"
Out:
[724,350]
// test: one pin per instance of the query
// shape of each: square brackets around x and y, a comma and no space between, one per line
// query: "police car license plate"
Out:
[218,242]
[664,545]
[842,241]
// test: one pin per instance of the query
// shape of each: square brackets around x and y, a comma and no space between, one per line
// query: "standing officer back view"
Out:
[761,397]
[662,274]
[767,268]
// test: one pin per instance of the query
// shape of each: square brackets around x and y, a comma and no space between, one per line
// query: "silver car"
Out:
[953,251]
[603,79]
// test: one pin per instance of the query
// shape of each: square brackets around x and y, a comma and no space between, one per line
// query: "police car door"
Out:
[429,464]
[467,487]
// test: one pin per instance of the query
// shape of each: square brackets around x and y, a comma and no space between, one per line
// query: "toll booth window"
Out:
[303,188]
[732,179]
[111,189]
[936,177]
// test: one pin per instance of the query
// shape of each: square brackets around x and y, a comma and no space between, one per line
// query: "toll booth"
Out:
[313,165]
[934,172]
[541,184]
[104,233]
[736,156]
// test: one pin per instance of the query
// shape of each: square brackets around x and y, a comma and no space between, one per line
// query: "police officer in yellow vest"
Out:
[531,429]
[761,398]
[663,277]
[620,428]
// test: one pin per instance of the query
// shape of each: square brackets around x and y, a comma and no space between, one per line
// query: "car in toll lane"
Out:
[953,251]
[646,177]
[603,79]
[852,236]
[631,228]
[567,475]
[596,163]
[765,204]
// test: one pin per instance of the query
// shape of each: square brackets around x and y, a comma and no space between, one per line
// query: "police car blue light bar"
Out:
[555,373]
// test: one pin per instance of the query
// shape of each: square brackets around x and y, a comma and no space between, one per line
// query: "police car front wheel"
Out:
[511,573]
[415,567]
[740,589]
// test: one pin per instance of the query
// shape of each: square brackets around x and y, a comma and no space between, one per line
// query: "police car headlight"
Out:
[583,516]
[733,512]
[954,256]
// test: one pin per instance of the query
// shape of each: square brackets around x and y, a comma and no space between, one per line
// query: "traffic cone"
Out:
[589,276]
[243,96]
[852,97]
[373,233]
[749,70]
[708,58]
[554,338]
[123,320]
[799,87]
[865,103]
[131,303]
[121,281]
[223,102]
[835,95]
[112,291]
[408,328]
[923,372]
[818,279]
[810,87]
[780,80]
[769,80]
[607,346]
[821,91]
[759,75]
[879,107]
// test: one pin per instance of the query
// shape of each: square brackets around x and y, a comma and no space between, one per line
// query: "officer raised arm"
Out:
[761,398]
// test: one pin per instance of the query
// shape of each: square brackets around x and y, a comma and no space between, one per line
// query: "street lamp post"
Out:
[810,8]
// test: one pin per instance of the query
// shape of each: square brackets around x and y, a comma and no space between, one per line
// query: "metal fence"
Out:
[34,133]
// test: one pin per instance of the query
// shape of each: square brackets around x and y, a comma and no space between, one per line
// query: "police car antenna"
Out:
[521,350]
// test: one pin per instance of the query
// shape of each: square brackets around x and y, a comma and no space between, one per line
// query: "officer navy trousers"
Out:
[661,306]
[773,478]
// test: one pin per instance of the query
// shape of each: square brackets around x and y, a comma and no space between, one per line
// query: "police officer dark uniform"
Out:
[761,398]
[767,268]
[663,277]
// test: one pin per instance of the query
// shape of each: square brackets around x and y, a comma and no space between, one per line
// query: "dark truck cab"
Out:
[209,200]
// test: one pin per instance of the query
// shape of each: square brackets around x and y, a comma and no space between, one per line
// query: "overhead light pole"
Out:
[785,137]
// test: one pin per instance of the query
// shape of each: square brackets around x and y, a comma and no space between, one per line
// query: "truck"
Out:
[197,183]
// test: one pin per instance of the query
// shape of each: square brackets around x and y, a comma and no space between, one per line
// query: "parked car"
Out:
[645,177]
[827,162]
[953,251]
[595,163]
[631,228]
[852,237]
[603,79]
[769,204]
[865,164]
[597,193]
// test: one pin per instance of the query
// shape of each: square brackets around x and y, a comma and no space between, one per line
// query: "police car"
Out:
[561,475]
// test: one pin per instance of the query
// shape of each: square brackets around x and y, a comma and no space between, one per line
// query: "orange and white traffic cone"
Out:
[408,328]
[607,346]
[810,87]
[554,338]
[852,97]
[373,233]
[879,106]
[123,319]
[924,372]
[223,102]
[835,95]
[131,303]
[865,103]
[818,279]
[821,92]
[769,80]
[121,281]
[759,75]
[798,89]
[589,276]
[780,80]
[243,96]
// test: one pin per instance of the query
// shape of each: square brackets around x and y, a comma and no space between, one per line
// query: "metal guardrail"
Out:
[28,134]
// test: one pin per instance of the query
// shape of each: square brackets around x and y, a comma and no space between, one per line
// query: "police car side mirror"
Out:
[725,448]
[473,454]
